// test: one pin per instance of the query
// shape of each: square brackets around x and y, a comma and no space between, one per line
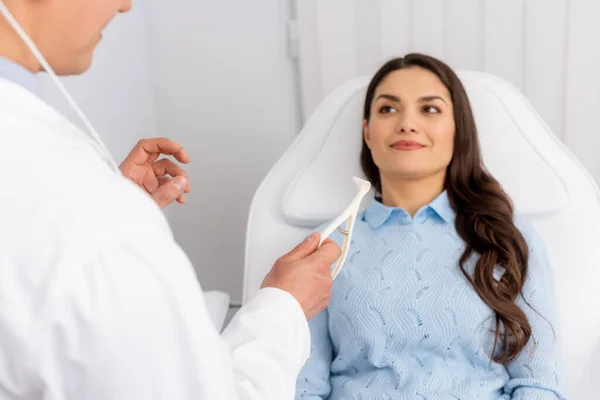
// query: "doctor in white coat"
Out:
[97,300]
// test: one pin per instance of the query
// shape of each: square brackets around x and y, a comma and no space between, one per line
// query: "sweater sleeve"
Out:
[535,373]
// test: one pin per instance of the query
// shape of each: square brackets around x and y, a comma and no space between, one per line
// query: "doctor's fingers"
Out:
[148,150]
[170,190]
[166,180]
[167,167]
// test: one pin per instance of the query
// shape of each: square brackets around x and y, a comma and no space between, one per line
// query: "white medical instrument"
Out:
[348,215]
[96,141]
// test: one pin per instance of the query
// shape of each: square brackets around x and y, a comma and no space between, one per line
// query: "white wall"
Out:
[225,89]
[583,88]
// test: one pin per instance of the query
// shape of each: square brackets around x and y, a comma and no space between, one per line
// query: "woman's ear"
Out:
[366,134]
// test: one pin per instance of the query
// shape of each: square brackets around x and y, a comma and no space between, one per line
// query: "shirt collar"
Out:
[20,75]
[377,213]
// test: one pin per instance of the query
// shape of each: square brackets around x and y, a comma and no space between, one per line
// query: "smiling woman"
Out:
[449,159]
[447,294]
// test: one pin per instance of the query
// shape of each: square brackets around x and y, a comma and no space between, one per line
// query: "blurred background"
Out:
[234,81]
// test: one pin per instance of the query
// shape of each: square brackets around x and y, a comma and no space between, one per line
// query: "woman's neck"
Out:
[411,195]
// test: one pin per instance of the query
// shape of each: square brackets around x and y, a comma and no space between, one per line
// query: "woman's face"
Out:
[411,129]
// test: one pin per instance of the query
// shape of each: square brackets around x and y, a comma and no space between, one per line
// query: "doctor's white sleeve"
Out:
[136,327]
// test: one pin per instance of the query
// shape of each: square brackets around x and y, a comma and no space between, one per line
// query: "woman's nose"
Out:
[406,123]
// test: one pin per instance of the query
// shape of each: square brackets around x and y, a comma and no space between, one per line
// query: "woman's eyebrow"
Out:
[422,99]
[425,99]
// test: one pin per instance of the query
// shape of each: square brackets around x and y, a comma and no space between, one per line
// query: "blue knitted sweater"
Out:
[404,323]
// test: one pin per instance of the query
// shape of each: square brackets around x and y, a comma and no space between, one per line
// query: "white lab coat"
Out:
[97,300]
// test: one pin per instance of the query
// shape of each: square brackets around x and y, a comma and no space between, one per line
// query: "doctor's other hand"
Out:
[162,179]
[305,273]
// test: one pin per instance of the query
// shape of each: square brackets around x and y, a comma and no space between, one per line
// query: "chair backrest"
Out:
[311,184]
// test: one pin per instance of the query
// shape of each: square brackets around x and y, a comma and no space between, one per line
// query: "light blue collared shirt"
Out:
[20,75]
[377,213]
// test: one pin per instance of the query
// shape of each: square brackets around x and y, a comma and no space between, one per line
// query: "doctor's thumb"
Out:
[170,191]
[305,248]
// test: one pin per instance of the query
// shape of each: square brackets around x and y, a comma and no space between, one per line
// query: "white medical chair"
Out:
[312,183]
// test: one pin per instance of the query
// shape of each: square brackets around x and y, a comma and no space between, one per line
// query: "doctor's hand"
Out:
[305,273]
[162,179]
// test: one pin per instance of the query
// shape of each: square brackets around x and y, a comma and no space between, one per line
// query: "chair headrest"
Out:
[510,133]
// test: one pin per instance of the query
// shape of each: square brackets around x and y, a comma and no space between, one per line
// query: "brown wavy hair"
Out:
[484,212]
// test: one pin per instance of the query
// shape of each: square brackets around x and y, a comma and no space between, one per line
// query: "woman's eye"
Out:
[431,110]
[386,109]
